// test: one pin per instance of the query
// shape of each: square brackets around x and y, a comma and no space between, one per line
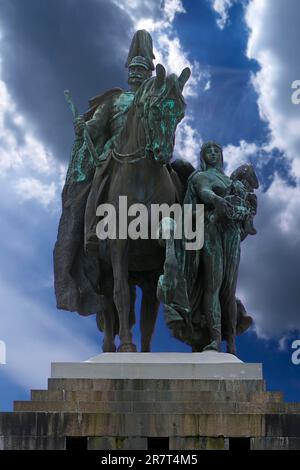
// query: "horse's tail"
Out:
[184,169]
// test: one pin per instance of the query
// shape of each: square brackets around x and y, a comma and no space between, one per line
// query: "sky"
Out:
[244,59]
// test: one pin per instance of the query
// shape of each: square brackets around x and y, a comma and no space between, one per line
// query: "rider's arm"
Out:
[98,125]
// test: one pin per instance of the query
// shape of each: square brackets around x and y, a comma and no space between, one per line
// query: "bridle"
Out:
[147,100]
[142,152]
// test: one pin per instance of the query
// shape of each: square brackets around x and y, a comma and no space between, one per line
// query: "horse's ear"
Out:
[184,76]
[160,76]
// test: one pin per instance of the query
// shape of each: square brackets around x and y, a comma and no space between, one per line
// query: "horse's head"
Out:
[160,107]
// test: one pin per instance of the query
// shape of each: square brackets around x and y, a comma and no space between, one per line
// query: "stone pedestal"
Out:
[163,401]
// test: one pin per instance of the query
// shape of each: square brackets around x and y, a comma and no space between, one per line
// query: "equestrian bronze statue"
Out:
[121,167]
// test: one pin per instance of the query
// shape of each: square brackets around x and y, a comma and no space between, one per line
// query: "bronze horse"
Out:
[138,168]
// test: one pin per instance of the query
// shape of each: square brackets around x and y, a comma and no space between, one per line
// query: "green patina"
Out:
[82,165]
[204,309]
[168,114]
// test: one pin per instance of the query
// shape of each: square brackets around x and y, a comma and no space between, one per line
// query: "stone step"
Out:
[147,425]
[157,384]
[117,443]
[153,396]
[275,443]
[165,407]
[292,407]
[198,443]
[283,425]
[131,424]
[32,443]
[141,443]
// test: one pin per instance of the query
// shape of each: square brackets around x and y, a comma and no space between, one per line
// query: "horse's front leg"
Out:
[149,311]
[119,260]
[167,284]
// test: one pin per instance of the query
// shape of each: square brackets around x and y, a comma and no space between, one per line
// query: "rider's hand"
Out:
[79,125]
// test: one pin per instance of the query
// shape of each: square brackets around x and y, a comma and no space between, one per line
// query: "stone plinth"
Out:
[199,401]
[205,365]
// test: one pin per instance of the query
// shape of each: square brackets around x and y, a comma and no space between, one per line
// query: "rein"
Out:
[142,152]
[145,151]
[128,158]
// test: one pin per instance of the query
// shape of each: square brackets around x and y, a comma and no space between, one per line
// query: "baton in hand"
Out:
[86,135]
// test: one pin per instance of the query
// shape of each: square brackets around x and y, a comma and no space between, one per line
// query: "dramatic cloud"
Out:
[35,332]
[188,142]
[48,46]
[270,262]
[35,337]
[235,156]
[274,44]
[53,55]
[31,188]
[26,165]
[222,8]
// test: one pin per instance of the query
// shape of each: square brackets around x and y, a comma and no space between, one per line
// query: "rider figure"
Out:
[76,273]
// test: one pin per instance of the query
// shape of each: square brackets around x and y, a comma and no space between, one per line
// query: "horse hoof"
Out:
[127,347]
[231,351]
[231,348]
[213,346]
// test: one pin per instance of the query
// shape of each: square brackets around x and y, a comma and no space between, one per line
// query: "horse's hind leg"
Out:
[132,306]
[119,259]
[149,311]
[107,319]
[105,323]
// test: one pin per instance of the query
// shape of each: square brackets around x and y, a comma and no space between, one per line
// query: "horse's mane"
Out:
[170,87]
[148,94]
